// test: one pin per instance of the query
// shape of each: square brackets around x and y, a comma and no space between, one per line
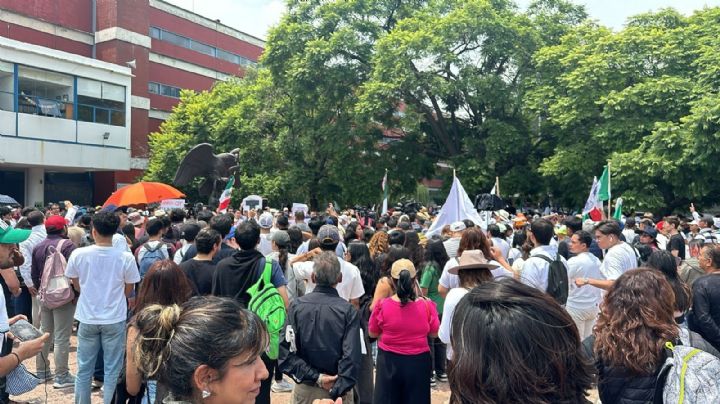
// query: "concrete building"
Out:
[84,82]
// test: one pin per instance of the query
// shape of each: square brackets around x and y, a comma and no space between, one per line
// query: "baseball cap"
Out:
[280,237]
[400,265]
[8,235]
[265,220]
[55,222]
[457,226]
[328,234]
[650,231]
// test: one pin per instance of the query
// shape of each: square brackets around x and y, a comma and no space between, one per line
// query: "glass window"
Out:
[7,86]
[230,57]
[153,88]
[202,48]
[42,92]
[155,32]
[170,91]
[175,39]
[98,101]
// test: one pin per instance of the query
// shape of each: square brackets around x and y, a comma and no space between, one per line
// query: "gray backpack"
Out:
[689,375]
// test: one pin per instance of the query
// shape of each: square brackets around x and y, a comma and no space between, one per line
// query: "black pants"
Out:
[402,378]
[4,351]
[438,353]
[264,396]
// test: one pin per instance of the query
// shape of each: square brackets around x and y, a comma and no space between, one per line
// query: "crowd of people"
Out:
[209,307]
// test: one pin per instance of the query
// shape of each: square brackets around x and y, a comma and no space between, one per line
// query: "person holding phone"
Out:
[11,358]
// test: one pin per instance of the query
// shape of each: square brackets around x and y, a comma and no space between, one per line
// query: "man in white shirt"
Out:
[104,276]
[536,269]
[582,303]
[265,222]
[36,219]
[619,256]
[350,287]
[496,233]
[453,243]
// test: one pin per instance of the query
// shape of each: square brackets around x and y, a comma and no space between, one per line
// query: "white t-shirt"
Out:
[451,300]
[351,286]
[119,242]
[535,270]
[102,273]
[265,245]
[451,246]
[450,281]
[180,254]
[583,265]
[618,259]
[502,245]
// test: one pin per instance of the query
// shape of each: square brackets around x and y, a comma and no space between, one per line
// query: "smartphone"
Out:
[24,331]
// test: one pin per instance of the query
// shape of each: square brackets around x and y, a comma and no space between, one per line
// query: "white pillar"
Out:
[35,186]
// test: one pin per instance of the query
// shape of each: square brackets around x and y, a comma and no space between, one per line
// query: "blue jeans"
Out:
[91,338]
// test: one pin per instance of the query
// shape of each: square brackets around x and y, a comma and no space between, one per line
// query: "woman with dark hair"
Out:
[207,350]
[359,255]
[435,259]
[384,287]
[472,239]
[129,232]
[296,239]
[515,344]
[636,320]
[403,323]
[666,263]
[351,232]
[417,252]
[164,284]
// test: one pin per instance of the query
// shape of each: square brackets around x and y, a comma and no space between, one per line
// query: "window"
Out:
[185,42]
[163,89]
[100,102]
[42,92]
[7,86]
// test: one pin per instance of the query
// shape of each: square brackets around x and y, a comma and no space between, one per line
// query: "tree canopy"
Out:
[541,97]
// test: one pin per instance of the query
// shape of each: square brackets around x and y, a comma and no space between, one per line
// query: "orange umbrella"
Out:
[142,193]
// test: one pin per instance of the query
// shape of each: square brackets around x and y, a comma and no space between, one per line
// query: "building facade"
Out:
[84,82]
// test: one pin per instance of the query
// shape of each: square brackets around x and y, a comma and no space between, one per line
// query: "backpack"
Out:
[689,375]
[266,302]
[55,289]
[558,286]
[151,256]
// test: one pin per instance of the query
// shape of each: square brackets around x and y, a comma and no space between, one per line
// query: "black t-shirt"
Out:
[224,252]
[677,242]
[200,274]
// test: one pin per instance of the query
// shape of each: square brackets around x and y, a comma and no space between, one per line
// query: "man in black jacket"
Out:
[321,348]
[705,316]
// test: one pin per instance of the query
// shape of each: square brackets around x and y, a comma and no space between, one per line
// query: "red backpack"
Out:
[55,289]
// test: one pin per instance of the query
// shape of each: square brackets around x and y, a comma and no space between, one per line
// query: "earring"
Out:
[206,394]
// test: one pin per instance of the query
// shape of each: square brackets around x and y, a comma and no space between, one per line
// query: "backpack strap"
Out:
[267,272]
[547,259]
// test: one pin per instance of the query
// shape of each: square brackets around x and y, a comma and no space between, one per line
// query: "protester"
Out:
[636,321]
[495,233]
[188,233]
[705,316]
[326,364]
[403,324]
[385,286]
[536,269]
[452,244]
[104,276]
[619,258]
[582,303]
[26,304]
[433,263]
[690,269]
[666,264]
[155,249]
[676,242]
[265,221]
[493,327]
[56,321]
[378,246]
[201,269]
[234,275]
[222,224]
[207,349]
[164,284]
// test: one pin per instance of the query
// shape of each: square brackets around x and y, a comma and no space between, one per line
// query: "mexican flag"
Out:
[385,194]
[226,196]
[593,206]
[604,191]
[618,209]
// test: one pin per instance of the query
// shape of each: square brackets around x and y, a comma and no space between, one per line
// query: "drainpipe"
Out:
[94,25]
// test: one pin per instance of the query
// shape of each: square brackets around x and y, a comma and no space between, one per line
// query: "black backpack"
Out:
[558,286]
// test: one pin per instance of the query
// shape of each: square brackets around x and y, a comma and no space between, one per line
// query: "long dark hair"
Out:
[492,328]
[395,252]
[417,252]
[435,254]
[360,257]
[296,239]
[405,287]
[666,263]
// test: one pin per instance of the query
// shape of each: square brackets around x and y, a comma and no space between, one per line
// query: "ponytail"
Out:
[405,287]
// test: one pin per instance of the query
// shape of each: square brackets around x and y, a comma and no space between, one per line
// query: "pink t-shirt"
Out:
[404,330]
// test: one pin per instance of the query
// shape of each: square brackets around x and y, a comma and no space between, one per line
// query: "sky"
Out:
[255,17]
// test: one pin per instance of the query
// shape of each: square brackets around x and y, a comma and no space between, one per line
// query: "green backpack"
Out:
[266,302]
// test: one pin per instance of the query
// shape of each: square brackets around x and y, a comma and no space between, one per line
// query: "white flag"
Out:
[458,206]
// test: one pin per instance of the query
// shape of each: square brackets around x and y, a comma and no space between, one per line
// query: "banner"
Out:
[252,202]
[168,204]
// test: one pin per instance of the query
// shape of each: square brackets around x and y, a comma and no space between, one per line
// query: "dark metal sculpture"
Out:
[215,169]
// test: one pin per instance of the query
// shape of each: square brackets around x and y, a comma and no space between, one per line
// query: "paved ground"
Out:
[45,393]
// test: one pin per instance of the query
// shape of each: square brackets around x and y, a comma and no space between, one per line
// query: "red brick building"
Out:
[135,56]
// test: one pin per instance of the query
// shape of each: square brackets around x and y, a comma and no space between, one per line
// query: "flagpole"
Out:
[497,186]
[609,192]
